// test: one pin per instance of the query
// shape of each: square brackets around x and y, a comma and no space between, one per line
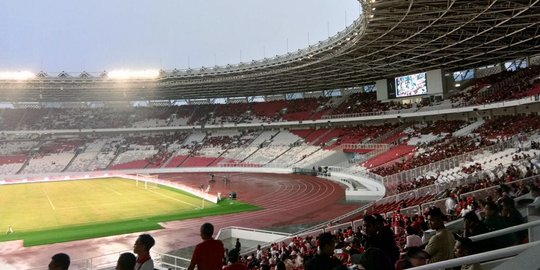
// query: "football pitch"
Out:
[52,212]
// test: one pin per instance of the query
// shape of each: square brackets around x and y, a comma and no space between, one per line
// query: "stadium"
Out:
[415,105]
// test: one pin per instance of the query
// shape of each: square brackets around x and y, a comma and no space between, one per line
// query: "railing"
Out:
[476,258]
[383,146]
[490,255]
[445,164]
[482,193]
[251,230]
[172,262]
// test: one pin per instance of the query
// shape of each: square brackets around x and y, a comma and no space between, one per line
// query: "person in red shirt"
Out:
[233,259]
[208,255]
[396,219]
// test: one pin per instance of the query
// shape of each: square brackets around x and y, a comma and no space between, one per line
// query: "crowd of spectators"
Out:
[433,151]
[399,241]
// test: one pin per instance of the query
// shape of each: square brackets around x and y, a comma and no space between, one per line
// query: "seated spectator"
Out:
[494,222]
[142,248]
[208,255]
[59,261]
[126,261]
[376,259]
[440,246]
[513,217]
[414,257]
[324,259]
[464,247]
[412,240]
[472,227]
[233,255]
[380,236]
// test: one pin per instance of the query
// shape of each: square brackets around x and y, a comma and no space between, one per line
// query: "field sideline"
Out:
[51,212]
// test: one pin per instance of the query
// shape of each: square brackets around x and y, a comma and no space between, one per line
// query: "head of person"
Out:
[491,209]
[416,256]
[126,261]
[470,220]
[464,247]
[143,244]
[508,203]
[59,261]
[410,230]
[436,218]
[327,244]
[379,221]
[370,225]
[234,255]
[207,230]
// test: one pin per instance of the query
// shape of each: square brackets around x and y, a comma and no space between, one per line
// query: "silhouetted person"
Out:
[126,261]
[59,261]
[324,259]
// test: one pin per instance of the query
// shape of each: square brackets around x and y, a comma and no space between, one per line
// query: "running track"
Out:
[286,199]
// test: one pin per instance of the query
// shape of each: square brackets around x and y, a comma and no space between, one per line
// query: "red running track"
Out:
[286,199]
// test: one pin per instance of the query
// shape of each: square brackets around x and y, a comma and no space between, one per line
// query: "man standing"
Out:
[440,246]
[208,255]
[324,259]
[142,248]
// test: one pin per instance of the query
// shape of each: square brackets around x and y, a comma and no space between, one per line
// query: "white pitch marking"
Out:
[48,198]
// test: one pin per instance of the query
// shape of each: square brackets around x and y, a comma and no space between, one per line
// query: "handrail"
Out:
[476,258]
[505,231]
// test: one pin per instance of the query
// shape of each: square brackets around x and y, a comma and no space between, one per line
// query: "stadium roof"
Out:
[392,37]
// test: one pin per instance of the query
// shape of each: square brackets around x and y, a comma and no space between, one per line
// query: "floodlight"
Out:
[16,75]
[124,74]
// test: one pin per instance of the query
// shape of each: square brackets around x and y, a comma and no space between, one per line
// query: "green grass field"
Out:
[52,212]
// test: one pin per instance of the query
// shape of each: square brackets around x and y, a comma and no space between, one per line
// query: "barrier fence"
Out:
[445,164]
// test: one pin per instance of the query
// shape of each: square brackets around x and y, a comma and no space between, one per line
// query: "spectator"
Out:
[414,257]
[376,259]
[324,259]
[142,247]
[126,261]
[59,261]
[513,217]
[473,226]
[208,255]
[494,222]
[464,247]
[412,240]
[440,246]
[237,245]
[450,204]
[380,236]
[233,255]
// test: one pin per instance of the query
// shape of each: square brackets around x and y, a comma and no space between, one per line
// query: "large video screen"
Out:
[411,85]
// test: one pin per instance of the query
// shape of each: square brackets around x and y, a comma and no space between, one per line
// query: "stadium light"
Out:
[124,74]
[16,75]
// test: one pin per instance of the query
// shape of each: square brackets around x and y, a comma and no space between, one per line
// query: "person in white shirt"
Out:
[142,248]
[412,240]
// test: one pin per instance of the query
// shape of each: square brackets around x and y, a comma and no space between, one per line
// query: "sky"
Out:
[98,35]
